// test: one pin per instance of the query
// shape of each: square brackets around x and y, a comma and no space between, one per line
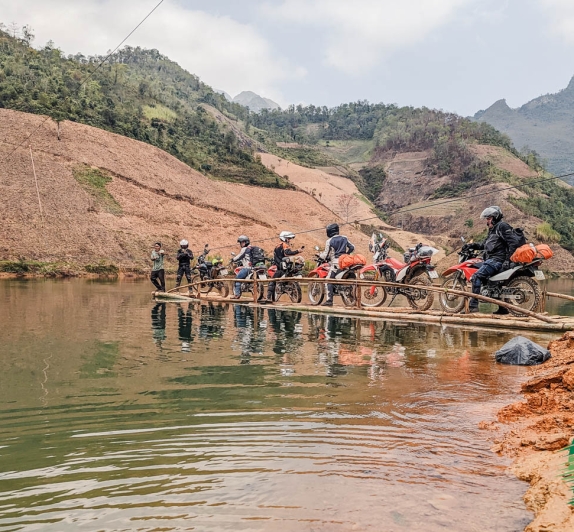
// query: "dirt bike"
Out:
[293,267]
[259,271]
[207,270]
[415,270]
[317,291]
[517,285]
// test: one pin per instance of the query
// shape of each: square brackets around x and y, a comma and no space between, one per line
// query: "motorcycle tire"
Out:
[528,290]
[423,299]
[222,287]
[372,296]
[348,292]
[195,290]
[315,292]
[449,302]
[295,292]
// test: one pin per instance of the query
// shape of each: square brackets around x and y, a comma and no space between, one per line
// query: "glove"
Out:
[506,265]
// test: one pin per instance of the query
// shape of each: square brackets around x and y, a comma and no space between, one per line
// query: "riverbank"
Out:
[535,430]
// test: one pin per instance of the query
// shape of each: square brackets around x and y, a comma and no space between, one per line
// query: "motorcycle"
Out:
[517,285]
[259,271]
[208,270]
[415,270]
[293,267]
[317,291]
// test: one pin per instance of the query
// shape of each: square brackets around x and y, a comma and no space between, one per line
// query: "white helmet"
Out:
[286,235]
[184,243]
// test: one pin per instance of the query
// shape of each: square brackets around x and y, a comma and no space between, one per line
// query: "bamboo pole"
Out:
[560,296]
[37,188]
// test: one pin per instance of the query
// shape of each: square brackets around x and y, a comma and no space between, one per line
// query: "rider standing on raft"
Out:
[501,242]
[335,246]
[184,258]
[279,253]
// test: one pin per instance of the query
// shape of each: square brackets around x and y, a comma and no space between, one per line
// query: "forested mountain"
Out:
[398,156]
[255,102]
[137,93]
[545,124]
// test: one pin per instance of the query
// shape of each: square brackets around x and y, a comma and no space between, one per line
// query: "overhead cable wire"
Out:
[528,183]
[88,77]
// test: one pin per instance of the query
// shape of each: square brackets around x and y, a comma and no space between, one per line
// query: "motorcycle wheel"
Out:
[194,291]
[347,292]
[295,294]
[528,294]
[372,296]
[222,287]
[449,302]
[421,299]
[316,293]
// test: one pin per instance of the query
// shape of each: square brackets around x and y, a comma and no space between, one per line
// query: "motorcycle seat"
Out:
[206,264]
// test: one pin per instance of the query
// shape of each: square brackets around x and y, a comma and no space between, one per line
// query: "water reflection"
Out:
[249,419]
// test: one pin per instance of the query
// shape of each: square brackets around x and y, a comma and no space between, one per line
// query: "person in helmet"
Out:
[279,253]
[184,258]
[335,246]
[500,243]
[243,258]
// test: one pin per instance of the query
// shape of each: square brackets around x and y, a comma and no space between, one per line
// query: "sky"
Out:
[455,55]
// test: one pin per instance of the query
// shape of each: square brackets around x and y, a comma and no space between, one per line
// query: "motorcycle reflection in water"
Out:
[212,320]
[288,332]
[158,323]
[251,331]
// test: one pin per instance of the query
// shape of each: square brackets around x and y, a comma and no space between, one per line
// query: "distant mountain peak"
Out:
[570,86]
[255,102]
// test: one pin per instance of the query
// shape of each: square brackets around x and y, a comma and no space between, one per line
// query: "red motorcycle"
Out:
[317,291]
[415,270]
[517,285]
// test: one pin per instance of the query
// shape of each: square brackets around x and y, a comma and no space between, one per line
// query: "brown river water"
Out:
[118,413]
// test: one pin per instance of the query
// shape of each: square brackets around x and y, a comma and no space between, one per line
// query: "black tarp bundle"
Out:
[521,351]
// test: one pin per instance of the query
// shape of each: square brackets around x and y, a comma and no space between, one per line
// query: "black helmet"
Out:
[332,230]
[493,212]
[243,240]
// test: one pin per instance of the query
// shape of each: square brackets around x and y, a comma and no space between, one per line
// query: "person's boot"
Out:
[473,309]
[501,312]
[328,303]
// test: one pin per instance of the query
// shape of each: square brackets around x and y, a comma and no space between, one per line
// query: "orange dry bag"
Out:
[359,259]
[544,251]
[524,254]
[345,261]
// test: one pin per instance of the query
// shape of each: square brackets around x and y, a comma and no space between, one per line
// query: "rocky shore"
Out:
[534,431]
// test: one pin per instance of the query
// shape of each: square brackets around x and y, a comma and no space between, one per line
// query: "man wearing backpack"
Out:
[248,257]
[501,242]
[335,246]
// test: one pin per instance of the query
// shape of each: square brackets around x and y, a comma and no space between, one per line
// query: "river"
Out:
[119,413]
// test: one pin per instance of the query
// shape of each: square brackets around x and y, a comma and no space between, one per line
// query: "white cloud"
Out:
[561,13]
[223,52]
[360,32]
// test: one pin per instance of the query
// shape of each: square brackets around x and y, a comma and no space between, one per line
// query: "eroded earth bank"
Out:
[534,432]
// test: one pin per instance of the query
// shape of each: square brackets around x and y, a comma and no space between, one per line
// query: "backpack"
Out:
[257,255]
[517,235]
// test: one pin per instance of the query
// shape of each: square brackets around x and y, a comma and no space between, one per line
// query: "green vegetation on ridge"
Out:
[137,93]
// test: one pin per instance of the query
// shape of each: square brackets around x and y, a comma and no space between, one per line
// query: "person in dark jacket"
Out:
[335,246]
[501,242]
[184,258]
[280,252]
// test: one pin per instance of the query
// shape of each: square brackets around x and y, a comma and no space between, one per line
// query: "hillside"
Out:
[545,125]
[107,198]
[409,162]
[137,93]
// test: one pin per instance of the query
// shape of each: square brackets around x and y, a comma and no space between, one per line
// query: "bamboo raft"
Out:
[529,321]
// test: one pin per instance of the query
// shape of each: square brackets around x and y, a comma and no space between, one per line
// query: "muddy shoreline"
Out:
[533,433]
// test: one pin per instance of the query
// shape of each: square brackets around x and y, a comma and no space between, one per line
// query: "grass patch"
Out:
[159,112]
[102,268]
[94,181]
[546,233]
[23,266]
[309,157]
